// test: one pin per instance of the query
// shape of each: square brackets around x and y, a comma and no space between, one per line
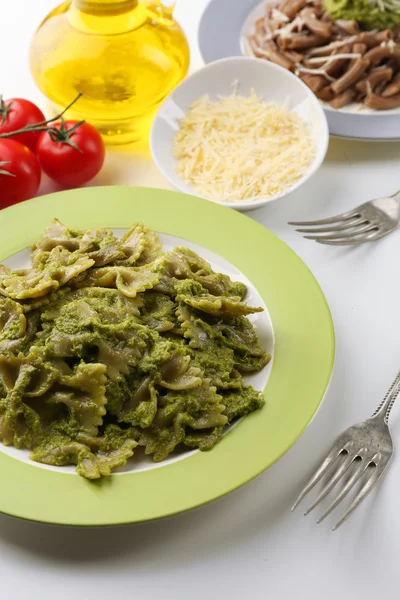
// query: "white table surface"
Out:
[248,544]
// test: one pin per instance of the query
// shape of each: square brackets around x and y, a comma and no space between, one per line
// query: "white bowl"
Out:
[269,81]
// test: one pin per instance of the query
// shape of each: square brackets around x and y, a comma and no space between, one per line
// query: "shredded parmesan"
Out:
[333,57]
[288,29]
[329,47]
[241,148]
[300,69]
[279,16]
[388,44]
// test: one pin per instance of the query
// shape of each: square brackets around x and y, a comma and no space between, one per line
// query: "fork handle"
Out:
[386,405]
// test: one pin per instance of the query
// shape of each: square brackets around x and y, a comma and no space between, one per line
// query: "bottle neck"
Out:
[105,7]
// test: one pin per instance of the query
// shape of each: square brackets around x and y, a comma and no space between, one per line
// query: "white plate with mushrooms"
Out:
[359,87]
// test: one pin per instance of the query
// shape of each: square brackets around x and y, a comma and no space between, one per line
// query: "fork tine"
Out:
[352,242]
[370,227]
[336,219]
[365,490]
[332,482]
[330,458]
[346,489]
[347,225]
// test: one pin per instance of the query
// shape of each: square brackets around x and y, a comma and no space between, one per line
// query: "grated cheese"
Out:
[241,148]
[333,57]
[279,17]
[332,46]
[300,69]
[287,30]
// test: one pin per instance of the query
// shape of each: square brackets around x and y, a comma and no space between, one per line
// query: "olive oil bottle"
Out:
[125,56]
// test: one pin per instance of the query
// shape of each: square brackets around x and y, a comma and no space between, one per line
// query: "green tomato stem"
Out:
[42,125]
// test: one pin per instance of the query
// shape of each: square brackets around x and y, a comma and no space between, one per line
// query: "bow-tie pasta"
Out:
[107,344]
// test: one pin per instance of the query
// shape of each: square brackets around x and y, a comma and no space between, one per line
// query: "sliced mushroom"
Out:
[378,54]
[290,8]
[335,67]
[294,56]
[373,39]
[350,27]
[396,33]
[326,16]
[344,98]
[378,103]
[393,87]
[359,48]
[339,63]
[376,76]
[322,29]
[314,82]
[301,41]
[271,52]
[325,94]
[379,88]
[352,75]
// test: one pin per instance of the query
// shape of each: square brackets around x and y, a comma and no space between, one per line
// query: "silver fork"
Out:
[367,447]
[366,223]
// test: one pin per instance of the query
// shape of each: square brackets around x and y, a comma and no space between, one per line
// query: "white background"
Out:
[246,545]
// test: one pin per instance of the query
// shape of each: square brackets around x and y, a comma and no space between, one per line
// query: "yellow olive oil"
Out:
[125,57]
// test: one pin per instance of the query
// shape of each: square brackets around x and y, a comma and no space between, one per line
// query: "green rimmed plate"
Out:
[301,369]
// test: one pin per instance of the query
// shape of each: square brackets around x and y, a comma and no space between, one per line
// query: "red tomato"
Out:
[17,113]
[74,156]
[19,173]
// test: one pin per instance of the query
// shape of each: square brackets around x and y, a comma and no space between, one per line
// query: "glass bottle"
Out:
[125,56]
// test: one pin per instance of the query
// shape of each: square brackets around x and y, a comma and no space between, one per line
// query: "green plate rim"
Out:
[301,371]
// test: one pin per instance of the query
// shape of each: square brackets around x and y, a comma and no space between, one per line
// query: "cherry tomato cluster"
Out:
[69,152]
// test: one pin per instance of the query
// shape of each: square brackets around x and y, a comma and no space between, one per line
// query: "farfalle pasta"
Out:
[110,344]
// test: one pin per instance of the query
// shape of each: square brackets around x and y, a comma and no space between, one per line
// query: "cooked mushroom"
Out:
[354,73]
[337,61]
[376,76]
[294,56]
[359,48]
[301,41]
[336,64]
[314,82]
[344,98]
[396,33]
[290,8]
[378,103]
[325,94]
[271,52]
[373,39]
[350,27]
[322,29]
[380,53]
[393,88]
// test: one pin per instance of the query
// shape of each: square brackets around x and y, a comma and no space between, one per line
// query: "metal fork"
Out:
[366,223]
[367,448]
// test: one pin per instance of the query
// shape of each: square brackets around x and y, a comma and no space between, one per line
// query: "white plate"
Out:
[221,31]
[269,81]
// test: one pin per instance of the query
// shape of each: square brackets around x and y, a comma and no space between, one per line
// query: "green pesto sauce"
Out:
[11,331]
[98,372]
[364,12]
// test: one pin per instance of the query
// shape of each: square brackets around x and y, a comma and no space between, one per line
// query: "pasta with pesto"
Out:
[110,344]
